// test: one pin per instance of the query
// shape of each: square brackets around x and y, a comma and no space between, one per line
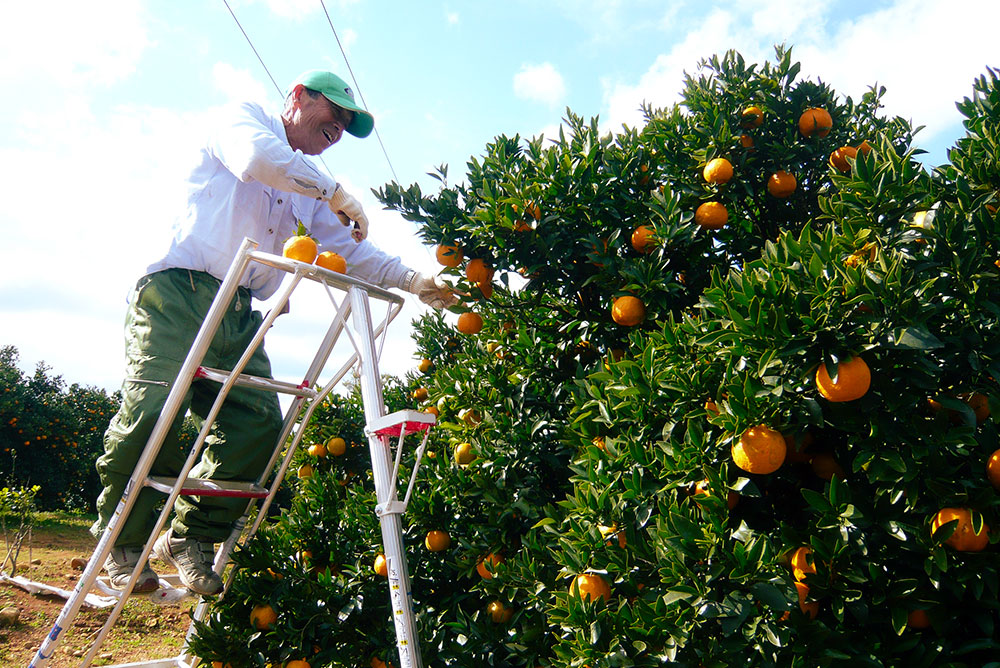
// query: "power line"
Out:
[358,88]
[276,86]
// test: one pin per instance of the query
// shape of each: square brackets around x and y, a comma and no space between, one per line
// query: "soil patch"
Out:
[145,630]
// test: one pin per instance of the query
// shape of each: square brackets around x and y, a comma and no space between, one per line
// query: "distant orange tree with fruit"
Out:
[719,394]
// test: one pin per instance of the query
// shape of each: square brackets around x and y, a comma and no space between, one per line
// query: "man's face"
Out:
[315,123]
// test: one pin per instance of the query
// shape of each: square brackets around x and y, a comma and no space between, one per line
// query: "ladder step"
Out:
[408,421]
[204,487]
[256,382]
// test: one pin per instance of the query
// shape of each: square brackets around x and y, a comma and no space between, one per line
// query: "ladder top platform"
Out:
[409,422]
[321,275]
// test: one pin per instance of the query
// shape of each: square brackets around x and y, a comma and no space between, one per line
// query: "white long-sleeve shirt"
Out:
[248,182]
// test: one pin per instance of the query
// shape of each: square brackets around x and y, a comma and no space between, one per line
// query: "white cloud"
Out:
[925,52]
[541,83]
[451,18]
[238,84]
[79,49]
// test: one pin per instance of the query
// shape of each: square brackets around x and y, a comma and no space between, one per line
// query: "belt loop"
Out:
[191,278]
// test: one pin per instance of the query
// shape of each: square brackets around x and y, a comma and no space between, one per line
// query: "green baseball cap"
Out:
[337,91]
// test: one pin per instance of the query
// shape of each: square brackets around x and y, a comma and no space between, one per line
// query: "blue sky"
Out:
[104,105]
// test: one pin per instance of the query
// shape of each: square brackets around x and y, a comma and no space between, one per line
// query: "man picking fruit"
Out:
[250,179]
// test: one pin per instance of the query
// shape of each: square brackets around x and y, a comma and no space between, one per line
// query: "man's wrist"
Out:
[407,280]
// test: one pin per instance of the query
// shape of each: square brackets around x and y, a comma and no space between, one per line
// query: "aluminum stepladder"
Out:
[381,429]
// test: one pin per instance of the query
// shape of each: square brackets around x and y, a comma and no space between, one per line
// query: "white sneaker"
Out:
[192,559]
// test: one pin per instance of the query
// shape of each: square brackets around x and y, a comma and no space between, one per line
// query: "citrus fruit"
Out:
[711,215]
[781,184]
[305,471]
[746,141]
[590,586]
[751,117]
[964,539]
[433,410]
[993,469]
[718,171]
[918,619]
[425,366]
[470,416]
[643,240]
[332,261]
[436,541]
[262,617]
[420,393]
[464,454]
[478,272]
[802,563]
[499,613]
[980,405]
[815,121]
[810,608]
[759,450]
[470,323]
[381,566]
[336,446]
[493,560]
[297,663]
[702,487]
[448,255]
[864,148]
[300,247]
[853,380]
[612,535]
[317,450]
[628,311]
[839,158]
[825,466]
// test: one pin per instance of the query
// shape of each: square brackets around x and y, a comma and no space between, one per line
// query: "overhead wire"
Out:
[358,88]
[252,47]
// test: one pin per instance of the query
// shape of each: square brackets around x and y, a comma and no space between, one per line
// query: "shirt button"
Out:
[270,231]
[279,201]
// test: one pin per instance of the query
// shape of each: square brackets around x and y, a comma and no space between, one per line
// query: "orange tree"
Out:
[51,435]
[582,434]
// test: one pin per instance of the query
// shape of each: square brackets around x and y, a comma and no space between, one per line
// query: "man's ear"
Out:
[297,93]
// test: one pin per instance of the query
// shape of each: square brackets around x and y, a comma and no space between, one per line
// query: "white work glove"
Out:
[432,291]
[349,209]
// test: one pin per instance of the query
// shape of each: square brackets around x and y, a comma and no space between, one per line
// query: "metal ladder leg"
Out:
[400,597]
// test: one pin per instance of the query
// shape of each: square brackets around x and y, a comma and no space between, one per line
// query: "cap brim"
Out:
[363,122]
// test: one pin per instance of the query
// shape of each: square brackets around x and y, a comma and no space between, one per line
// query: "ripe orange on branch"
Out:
[262,617]
[853,380]
[993,469]
[781,184]
[590,586]
[336,446]
[965,538]
[470,323]
[643,239]
[839,158]
[628,311]
[759,450]
[493,560]
[381,566]
[478,272]
[718,171]
[711,215]
[437,541]
[802,564]
[751,117]
[815,121]
[449,255]
[499,613]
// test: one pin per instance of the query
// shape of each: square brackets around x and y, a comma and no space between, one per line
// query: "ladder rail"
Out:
[171,407]
[199,442]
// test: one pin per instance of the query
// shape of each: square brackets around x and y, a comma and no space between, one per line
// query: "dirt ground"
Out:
[145,630]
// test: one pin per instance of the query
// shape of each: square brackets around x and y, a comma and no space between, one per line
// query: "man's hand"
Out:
[432,291]
[349,209]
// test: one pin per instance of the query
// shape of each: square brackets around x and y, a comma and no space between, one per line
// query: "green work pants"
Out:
[166,310]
